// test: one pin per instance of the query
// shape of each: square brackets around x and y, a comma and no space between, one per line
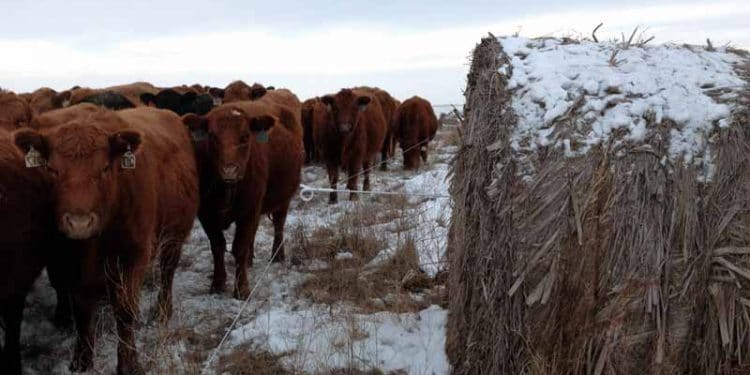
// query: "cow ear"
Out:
[261,123]
[27,139]
[148,99]
[198,126]
[362,102]
[124,141]
[328,101]
[257,92]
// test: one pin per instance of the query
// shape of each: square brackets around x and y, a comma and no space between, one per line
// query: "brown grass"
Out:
[243,360]
[607,263]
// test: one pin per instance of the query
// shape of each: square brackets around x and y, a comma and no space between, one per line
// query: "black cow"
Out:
[181,104]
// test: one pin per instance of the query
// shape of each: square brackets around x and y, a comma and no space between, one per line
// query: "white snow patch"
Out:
[657,82]
[320,340]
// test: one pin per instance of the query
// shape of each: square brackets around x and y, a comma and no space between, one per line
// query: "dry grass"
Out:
[608,263]
[366,232]
[243,360]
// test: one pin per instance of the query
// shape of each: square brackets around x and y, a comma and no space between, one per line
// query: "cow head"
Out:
[85,164]
[228,135]
[181,104]
[346,107]
[239,91]
[14,111]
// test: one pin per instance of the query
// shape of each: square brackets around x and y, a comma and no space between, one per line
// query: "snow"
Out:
[311,337]
[319,340]
[549,79]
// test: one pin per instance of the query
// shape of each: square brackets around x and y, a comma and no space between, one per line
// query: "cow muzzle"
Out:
[79,227]
[230,173]
[345,127]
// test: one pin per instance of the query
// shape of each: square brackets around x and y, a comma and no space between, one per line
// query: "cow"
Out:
[351,139]
[125,190]
[240,91]
[250,158]
[110,100]
[415,125]
[180,101]
[46,99]
[314,116]
[388,104]
[113,97]
[25,228]
[14,111]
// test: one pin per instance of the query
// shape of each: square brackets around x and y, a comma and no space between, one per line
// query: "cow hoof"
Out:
[81,365]
[354,197]
[134,369]
[217,288]
[241,293]
[62,320]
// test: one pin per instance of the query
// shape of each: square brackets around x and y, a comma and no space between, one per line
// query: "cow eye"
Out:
[106,170]
[245,138]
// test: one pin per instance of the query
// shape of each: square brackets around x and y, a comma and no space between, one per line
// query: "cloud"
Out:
[343,50]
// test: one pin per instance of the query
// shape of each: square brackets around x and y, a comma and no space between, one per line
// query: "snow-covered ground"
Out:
[604,92]
[306,335]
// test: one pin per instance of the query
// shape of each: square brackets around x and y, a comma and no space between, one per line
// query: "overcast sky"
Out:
[315,47]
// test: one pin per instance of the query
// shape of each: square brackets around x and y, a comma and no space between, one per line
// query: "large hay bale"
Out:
[579,250]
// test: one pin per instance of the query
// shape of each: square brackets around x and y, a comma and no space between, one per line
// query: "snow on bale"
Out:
[602,210]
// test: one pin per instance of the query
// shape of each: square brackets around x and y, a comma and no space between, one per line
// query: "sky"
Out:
[316,47]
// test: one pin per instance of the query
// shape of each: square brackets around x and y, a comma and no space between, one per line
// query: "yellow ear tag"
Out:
[34,158]
[128,160]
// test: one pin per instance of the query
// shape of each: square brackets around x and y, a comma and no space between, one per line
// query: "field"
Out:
[362,291]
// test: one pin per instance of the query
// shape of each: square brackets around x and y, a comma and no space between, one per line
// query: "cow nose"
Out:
[79,226]
[345,127]
[230,172]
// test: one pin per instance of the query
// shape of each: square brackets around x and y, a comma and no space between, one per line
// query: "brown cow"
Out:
[352,138]
[14,111]
[250,164]
[389,104]
[125,188]
[314,116]
[46,99]
[25,227]
[415,125]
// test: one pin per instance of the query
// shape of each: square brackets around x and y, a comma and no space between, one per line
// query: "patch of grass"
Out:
[244,361]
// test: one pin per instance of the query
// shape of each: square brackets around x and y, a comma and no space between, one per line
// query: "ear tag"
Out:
[128,160]
[33,158]
[262,137]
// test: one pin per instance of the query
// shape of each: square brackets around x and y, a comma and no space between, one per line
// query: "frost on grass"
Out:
[570,96]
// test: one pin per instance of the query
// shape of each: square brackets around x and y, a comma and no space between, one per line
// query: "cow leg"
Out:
[218,248]
[84,307]
[10,356]
[366,183]
[243,252]
[279,219]
[333,178]
[124,297]
[351,180]
[423,153]
[169,259]
[385,153]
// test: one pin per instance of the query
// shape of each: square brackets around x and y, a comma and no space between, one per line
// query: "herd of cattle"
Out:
[96,184]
